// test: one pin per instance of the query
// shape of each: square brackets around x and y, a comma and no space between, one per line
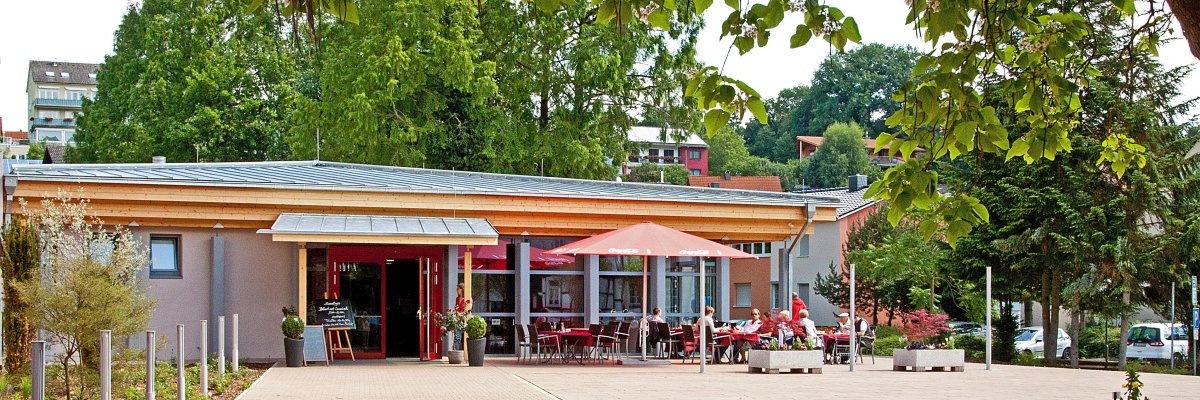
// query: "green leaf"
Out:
[743,44]
[802,36]
[964,132]
[660,19]
[757,108]
[734,4]
[1125,6]
[955,230]
[608,10]
[850,29]
[714,120]
[702,5]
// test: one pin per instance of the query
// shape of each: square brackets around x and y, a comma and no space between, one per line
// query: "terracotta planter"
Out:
[920,360]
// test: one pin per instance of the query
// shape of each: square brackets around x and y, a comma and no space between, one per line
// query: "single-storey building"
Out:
[250,238]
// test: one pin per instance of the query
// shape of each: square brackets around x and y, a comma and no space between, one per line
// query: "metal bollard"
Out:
[150,361]
[221,345]
[105,365]
[182,395]
[204,358]
[235,343]
[38,358]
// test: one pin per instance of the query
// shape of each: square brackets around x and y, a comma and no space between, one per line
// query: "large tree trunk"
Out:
[1124,333]
[1188,14]
[1048,334]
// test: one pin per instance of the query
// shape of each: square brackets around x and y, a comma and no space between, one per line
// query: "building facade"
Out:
[807,145]
[56,91]
[667,147]
[248,238]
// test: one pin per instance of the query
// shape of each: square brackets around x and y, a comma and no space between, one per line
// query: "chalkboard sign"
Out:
[314,344]
[335,314]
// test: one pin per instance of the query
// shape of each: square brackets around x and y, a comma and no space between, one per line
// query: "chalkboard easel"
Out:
[314,344]
[337,317]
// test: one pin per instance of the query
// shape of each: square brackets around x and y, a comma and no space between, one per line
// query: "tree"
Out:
[727,153]
[674,174]
[22,255]
[37,150]
[788,115]
[189,82]
[857,86]
[841,154]
[90,284]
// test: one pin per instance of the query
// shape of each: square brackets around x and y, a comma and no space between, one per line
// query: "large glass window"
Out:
[500,335]
[689,264]
[620,294]
[555,294]
[164,257]
[491,293]
[317,279]
[360,284]
[683,294]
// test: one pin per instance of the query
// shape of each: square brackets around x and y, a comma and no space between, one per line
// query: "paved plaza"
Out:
[503,378]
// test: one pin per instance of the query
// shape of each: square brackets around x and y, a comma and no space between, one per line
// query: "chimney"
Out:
[714,185]
[158,160]
[857,182]
[728,176]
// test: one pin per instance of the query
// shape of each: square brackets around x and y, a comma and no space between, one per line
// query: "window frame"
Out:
[737,294]
[694,154]
[178,272]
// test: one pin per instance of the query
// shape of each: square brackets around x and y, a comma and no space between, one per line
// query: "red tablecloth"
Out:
[830,338]
[575,337]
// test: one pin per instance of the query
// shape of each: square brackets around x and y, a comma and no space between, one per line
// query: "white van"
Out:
[1156,342]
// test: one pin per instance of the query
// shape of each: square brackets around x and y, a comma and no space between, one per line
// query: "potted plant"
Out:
[293,340]
[452,322]
[927,347]
[795,358]
[477,339]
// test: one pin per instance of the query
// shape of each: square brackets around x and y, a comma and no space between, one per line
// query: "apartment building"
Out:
[670,146]
[56,91]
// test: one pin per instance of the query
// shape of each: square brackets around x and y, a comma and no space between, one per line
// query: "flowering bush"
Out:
[923,329]
[451,321]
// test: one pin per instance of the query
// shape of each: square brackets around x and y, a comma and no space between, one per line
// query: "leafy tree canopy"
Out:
[674,174]
[841,154]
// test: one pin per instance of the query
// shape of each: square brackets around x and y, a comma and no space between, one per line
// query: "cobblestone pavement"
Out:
[503,378]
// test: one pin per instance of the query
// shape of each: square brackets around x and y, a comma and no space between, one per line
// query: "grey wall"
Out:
[824,247]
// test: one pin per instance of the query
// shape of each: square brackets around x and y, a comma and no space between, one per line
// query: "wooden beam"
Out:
[302,279]
[372,239]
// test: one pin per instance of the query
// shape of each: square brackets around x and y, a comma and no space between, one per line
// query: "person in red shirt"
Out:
[462,303]
[797,304]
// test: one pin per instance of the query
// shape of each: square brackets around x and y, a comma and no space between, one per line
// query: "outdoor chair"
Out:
[867,341]
[595,330]
[606,342]
[667,338]
[688,342]
[524,348]
[545,342]
[713,341]
[651,336]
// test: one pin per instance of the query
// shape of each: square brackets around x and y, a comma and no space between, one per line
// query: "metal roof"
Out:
[848,202]
[379,225]
[322,175]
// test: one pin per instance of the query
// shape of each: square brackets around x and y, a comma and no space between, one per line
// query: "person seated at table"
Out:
[843,325]
[655,316]
[861,327]
[754,323]
[810,330]
[784,325]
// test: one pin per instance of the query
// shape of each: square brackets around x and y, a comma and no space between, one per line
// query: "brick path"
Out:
[504,379]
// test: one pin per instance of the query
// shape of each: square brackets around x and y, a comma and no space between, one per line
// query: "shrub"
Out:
[1091,341]
[476,328]
[975,347]
[921,325]
[22,253]
[885,345]
[292,326]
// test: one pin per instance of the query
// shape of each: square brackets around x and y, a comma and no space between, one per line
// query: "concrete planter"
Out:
[920,360]
[454,356]
[772,362]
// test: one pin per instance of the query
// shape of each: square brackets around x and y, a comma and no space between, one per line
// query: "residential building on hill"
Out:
[666,147]
[727,181]
[807,145]
[56,91]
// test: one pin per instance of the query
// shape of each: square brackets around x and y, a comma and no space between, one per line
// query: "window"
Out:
[803,290]
[47,93]
[742,291]
[66,75]
[92,76]
[802,247]
[774,295]
[695,172]
[653,152]
[47,114]
[694,154]
[74,95]
[50,73]
[668,153]
[164,257]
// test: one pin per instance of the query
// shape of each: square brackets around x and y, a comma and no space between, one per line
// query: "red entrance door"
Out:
[381,282]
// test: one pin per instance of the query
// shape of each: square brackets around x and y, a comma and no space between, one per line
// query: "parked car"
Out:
[1156,342]
[1029,341]
[966,328]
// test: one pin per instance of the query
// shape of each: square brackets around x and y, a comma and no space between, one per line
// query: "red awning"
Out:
[649,239]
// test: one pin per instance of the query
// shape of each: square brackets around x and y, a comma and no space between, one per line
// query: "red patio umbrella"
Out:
[494,257]
[648,239]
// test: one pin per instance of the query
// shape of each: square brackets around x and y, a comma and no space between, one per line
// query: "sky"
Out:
[83,33]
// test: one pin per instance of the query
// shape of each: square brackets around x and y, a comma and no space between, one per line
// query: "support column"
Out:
[658,283]
[783,266]
[721,297]
[519,254]
[591,289]
[450,278]
[217,297]
[302,283]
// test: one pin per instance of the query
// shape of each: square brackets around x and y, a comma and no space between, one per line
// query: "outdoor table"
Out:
[741,340]
[577,338]
[831,338]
